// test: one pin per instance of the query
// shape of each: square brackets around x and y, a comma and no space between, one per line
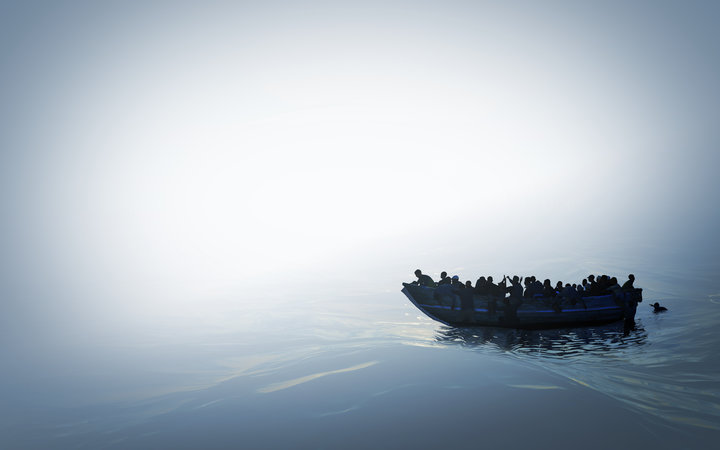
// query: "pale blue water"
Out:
[158,158]
[363,368]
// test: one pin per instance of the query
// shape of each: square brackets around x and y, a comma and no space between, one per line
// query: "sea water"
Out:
[328,365]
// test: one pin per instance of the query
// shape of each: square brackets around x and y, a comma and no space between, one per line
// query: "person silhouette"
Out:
[444,279]
[423,280]
[628,285]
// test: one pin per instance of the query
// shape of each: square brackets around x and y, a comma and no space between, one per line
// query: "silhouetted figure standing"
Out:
[467,306]
[493,289]
[528,292]
[628,285]
[625,299]
[593,286]
[481,286]
[516,298]
[516,290]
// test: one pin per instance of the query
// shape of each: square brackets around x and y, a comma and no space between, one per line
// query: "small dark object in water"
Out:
[658,308]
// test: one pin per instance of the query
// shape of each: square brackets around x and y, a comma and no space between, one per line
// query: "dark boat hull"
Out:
[442,305]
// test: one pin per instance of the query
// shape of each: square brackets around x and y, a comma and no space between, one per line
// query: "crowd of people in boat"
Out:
[530,287]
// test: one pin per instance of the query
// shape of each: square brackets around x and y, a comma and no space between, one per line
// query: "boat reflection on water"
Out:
[555,343]
[613,361]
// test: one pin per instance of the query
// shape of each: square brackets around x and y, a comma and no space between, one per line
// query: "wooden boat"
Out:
[443,305]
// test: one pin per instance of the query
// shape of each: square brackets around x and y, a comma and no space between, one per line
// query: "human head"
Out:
[443,274]
[631,277]
[418,273]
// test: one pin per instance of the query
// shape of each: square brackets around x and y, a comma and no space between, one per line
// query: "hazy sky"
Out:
[175,147]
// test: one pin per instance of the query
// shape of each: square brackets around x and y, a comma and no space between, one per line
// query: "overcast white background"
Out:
[154,155]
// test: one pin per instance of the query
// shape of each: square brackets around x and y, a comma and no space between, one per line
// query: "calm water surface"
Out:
[364,369]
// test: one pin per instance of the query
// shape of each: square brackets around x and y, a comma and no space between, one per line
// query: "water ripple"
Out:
[643,372]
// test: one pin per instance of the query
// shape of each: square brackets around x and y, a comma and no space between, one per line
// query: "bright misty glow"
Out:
[191,182]
[202,200]
[161,153]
